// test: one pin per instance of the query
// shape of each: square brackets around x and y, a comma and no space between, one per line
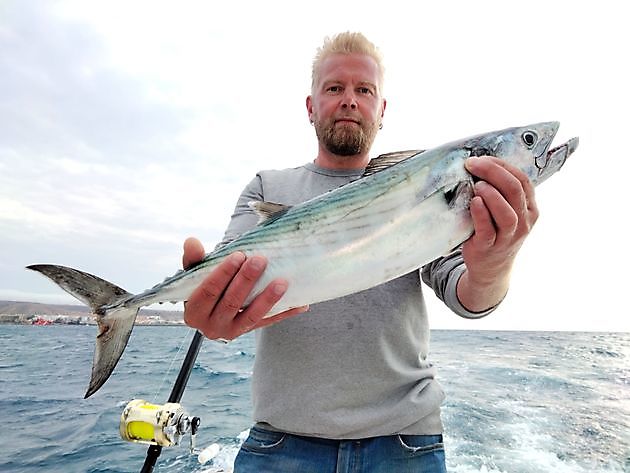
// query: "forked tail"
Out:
[115,322]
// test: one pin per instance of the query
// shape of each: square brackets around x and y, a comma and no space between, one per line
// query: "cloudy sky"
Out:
[127,126]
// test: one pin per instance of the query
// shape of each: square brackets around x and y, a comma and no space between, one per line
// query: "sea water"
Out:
[517,402]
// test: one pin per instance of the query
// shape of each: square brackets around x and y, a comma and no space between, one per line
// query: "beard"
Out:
[345,139]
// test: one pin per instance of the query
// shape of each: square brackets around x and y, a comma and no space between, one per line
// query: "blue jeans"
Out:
[266,451]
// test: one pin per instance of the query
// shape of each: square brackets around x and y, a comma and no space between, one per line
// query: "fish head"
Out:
[528,148]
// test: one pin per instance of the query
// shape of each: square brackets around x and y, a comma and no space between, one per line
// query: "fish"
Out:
[407,209]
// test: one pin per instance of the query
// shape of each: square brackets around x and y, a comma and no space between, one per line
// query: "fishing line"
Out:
[170,367]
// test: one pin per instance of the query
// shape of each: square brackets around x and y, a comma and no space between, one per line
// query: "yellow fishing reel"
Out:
[155,424]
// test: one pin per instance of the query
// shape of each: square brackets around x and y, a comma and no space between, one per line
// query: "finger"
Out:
[526,185]
[505,218]
[193,252]
[204,298]
[281,316]
[485,233]
[240,288]
[523,199]
[483,165]
[510,181]
[249,318]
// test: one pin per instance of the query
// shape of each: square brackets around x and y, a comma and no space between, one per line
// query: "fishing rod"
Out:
[162,425]
[177,392]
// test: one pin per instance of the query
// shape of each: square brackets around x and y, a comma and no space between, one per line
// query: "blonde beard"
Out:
[345,140]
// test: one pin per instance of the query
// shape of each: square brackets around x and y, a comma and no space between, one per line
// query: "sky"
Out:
[127,126]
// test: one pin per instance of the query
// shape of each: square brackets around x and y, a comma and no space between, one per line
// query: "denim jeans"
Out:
[266,451]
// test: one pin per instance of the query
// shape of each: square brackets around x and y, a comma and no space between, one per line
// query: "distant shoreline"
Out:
[34,313]
[36,321]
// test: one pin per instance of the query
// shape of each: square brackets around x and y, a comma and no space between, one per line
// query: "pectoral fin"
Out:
[460,195]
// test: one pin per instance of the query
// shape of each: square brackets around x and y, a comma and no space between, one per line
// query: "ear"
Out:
[383,107]
[309,107]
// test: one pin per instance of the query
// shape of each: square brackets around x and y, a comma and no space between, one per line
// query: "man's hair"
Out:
[347,43]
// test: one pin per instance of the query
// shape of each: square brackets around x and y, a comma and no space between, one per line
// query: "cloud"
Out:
[15,295]
[117,140]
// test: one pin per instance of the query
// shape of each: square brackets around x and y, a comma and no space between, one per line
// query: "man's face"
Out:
[346,107]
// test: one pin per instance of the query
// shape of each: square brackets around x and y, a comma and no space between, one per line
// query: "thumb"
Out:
[193,252]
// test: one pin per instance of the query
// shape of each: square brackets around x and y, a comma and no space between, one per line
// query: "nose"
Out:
[349,100]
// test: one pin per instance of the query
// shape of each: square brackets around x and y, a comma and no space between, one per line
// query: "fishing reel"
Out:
[153,424]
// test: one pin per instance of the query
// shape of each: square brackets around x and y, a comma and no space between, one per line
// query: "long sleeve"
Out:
[244,218]
[442,275]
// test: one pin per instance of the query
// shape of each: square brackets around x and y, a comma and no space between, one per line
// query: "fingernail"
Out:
[258,263]
[280,288]
[480,186]
[472,161]
[237,259]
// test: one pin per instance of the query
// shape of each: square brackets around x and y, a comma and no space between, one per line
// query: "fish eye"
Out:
[529,138]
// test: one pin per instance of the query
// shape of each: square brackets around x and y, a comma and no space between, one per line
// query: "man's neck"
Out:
[328,160]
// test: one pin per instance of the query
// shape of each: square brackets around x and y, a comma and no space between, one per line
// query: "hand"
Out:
[215,307]
[503,211]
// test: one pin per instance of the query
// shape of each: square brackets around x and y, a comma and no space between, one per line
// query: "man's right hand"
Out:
[215,308]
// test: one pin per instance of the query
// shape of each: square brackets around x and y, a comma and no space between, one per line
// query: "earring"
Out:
[380,126]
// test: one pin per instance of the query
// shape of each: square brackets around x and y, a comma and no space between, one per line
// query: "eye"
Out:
[529,138]
[364,90]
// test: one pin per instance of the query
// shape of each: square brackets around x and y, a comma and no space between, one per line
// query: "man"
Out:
[348,387]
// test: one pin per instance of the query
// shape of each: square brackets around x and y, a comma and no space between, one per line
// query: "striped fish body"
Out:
[358,236]
[407,210]
[381,226]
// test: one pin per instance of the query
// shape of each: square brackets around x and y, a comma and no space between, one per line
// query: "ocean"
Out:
[517,402]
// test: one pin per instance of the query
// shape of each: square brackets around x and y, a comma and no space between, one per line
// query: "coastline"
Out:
[33,313]
[62,319]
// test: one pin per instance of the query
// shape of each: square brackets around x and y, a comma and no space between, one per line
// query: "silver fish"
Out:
[408,209]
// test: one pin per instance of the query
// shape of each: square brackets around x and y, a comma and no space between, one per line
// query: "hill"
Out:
[38,309]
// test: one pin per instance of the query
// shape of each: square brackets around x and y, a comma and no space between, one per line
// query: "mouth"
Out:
[347,120]
[558,154]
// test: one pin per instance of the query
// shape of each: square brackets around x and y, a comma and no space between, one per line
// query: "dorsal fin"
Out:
[267,210]
[386,160]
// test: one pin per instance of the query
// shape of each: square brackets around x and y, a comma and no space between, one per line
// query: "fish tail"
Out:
[115,321]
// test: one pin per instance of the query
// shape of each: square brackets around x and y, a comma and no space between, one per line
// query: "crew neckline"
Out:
[334,172]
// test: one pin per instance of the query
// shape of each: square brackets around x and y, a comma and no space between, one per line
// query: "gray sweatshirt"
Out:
[356,366]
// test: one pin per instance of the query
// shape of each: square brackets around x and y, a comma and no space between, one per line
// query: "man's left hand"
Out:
[503,211]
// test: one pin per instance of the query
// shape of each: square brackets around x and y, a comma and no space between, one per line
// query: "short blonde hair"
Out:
[347,43]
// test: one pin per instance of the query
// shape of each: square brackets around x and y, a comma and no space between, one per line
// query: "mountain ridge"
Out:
[38,309]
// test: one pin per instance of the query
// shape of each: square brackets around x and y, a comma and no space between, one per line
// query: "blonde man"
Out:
[349,387]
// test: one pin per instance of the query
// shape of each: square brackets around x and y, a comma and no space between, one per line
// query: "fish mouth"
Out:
[558,154]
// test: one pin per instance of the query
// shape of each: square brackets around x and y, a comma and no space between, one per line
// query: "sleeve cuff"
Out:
[452,301]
